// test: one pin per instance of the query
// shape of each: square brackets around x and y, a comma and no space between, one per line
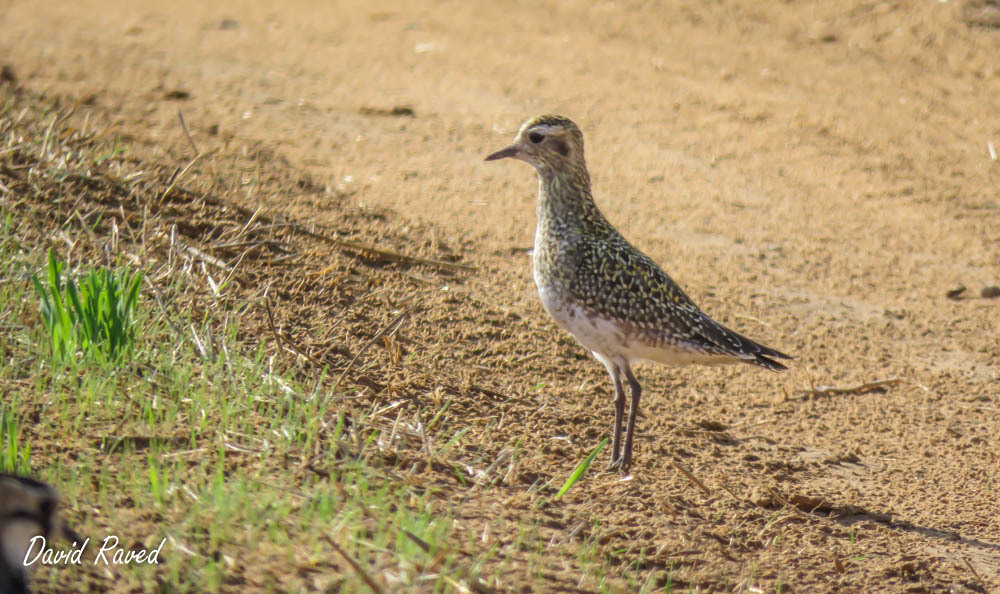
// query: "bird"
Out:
[27,509]
[616,301]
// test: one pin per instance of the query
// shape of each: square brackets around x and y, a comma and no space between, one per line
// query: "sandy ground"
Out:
[815,174]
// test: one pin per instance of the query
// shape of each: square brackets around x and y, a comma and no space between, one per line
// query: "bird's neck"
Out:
[565,200]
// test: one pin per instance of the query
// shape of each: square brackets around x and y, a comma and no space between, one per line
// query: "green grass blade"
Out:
[46,302]
[74,299]
[55,272]
[581,468]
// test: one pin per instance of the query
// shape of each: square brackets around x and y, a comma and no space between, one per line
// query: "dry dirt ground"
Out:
[816,174]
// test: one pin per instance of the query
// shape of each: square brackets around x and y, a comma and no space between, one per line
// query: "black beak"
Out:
[510,151]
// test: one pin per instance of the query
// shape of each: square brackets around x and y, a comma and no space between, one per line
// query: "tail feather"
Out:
[765,356]
[762,355]
[768,363]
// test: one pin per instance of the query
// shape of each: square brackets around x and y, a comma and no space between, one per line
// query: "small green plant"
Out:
[15,455]
[157,479]
[855,557]
[96,317]
[581,468]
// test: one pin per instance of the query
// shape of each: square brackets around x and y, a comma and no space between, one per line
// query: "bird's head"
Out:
[548,142]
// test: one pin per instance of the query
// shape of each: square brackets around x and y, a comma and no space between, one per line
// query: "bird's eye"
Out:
[536,138]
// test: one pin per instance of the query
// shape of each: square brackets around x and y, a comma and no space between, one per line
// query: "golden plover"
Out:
[613,298]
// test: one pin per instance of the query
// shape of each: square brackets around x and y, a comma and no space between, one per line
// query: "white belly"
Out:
[596,334]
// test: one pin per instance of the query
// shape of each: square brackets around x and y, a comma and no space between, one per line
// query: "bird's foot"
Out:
[620,465]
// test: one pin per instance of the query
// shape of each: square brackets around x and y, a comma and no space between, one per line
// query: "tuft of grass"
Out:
[581,468]
[96,317]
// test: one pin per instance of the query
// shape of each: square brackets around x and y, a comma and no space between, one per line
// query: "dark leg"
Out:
[616,440]
[633,409]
